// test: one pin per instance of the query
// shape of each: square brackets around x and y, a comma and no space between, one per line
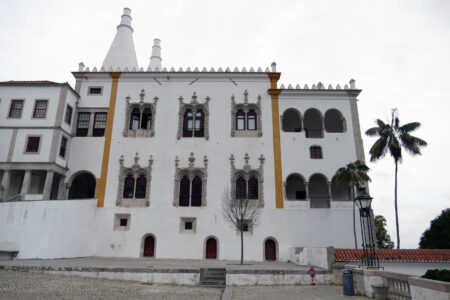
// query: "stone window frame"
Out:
[141,105]
[136,171]
[11,106]
[194,106]
[247,172]
[40,136]
[191,171]
[246,107]
[183,220]
[117,218]
[95,87]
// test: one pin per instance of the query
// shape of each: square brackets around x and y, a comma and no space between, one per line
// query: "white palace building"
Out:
[133,161]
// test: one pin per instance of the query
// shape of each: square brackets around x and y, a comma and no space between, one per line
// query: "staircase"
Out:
[213,277]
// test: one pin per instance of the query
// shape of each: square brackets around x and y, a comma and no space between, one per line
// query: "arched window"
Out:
[196,191]
[291,121]
[134,119]
[141,185]
[185,187]
[334,122]
[199,124]
[313,124]
[146,122]
[295,188]
[82,186]
[128,187]
[318,191]
[253,188]
[251,120]
[240,120]
[315,152]
[241,188]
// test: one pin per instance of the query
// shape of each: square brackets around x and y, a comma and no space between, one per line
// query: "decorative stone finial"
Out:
[136,158]
[191,160]
[177,162]
[246,158]
[81,67]
[274,67]
[142,95]
[194,97]
[246,97]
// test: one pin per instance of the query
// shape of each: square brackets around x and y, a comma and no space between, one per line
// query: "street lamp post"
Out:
[363,201]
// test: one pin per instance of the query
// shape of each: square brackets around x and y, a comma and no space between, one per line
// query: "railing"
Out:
[398,285]
[314,133]
[320,202]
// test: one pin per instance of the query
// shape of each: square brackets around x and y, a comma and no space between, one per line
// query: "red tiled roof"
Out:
[396,255]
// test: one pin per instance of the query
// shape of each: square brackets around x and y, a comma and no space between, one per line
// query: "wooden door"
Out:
[149,246]
[270,250]
[211,249]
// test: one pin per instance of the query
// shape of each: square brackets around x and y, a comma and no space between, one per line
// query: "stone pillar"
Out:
[66,196]
[329,189]
[48,185]
[307,190]
[5,185]
[26,182]
[323,126]
[61,188]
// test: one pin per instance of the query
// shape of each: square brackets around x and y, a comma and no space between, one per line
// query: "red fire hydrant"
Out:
[312,273]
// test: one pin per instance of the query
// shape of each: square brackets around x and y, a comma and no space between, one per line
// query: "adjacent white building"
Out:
[133,161]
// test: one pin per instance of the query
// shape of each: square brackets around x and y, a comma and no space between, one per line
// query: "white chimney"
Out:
[155,59]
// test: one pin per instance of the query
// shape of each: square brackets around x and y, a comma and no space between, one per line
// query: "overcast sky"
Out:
[397,51]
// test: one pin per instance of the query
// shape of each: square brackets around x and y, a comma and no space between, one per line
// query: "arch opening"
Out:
[270,249]
[211,248]
[83,186]
[313,124]
[334,121]
[295,187]
[291,121]
[318,191]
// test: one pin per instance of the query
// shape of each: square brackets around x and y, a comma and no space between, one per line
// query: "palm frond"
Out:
[412,144]
[373,131]
[410,127]
[378,149]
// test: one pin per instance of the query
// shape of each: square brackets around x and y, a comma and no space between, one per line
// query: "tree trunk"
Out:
[242,245]
[352,194]
[396,208]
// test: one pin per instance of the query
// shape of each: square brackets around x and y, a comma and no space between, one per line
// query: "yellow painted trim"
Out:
[274,92]
[101,182]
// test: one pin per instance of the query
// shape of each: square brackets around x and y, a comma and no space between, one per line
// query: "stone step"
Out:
[215,277]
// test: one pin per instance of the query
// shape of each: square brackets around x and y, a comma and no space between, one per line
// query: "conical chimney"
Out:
[122,54]
[155,59]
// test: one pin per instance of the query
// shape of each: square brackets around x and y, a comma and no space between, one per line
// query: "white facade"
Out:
[162,154]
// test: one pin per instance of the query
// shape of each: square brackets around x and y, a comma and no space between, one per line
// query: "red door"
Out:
[211,249]
[270,250]
[149,246]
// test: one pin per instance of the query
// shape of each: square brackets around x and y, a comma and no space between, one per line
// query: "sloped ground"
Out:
[29,285]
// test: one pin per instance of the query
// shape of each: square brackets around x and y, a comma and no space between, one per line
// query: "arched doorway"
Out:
[149,247]
[270,250]
[211,248]
[82,186]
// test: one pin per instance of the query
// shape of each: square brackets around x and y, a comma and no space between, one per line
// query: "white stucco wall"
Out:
[412,268]
[48,229]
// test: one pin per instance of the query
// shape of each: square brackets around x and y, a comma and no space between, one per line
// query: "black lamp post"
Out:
[363,201]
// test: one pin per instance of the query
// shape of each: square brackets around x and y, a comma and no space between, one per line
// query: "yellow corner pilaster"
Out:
[101,182]
[274,92]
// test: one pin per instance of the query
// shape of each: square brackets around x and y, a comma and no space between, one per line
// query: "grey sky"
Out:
[397,51]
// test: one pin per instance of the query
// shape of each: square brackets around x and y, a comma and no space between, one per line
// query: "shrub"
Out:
[436,274]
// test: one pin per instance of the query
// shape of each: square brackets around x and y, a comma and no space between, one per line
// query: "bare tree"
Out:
[241,213]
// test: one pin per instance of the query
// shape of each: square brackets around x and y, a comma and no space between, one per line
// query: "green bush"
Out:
[436,274]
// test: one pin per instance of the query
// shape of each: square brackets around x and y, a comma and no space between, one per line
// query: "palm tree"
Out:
[393,138]
[353,175]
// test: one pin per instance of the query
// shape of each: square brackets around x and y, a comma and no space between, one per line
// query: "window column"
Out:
[329,190]
[48,185]
[26,182]
[5,184]
[307,191]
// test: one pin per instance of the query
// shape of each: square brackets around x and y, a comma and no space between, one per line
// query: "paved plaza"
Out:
[31,285]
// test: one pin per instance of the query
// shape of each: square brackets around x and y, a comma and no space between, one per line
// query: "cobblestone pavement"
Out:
[303,292]
[36,286]
[28,285]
